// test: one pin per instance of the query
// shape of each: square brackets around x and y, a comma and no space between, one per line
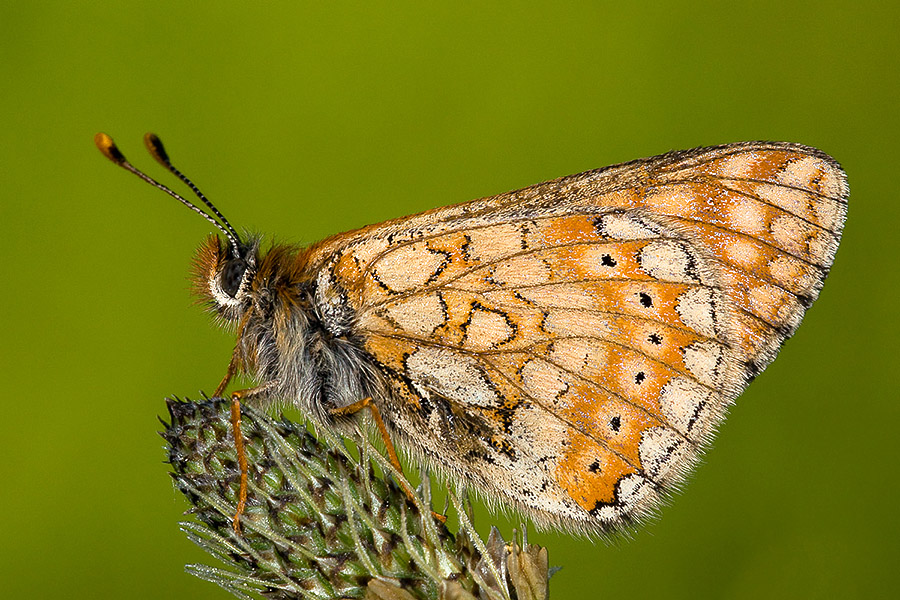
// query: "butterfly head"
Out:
[224,275]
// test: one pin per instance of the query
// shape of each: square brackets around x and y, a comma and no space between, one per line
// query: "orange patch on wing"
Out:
[588,473]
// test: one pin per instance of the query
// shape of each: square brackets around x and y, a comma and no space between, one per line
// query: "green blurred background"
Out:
[301,121]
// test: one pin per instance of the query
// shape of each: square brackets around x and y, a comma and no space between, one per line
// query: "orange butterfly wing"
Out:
[569,347]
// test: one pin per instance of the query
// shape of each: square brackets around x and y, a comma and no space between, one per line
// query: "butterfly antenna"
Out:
[108,147]
[158,151]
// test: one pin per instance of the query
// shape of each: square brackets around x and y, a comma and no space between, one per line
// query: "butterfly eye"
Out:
[232,276]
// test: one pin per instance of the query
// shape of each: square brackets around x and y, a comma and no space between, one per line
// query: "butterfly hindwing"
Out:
[570,347]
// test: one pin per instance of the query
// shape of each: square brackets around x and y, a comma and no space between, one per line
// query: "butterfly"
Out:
[567,349]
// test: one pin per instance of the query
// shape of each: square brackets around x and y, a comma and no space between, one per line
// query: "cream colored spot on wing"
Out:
[521,270]
[672,201]
[491,243]
[790,233]
[662,451]
[409,267]
[770,302]
[626,227]
[587,357]
[737,165]
[742,252]
[637,495]
[487,329]
[366,250]
[830,213]
[697,309]
[801,173]
[686,405]
[763,295]
[792,274]
[703,360]
[450,375]
[420,315]
[792,200]
[544,436]
[668,260]
[542,381]
[832,184]
[747,217]
[571,322]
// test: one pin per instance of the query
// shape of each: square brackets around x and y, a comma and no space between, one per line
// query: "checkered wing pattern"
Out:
[569,348]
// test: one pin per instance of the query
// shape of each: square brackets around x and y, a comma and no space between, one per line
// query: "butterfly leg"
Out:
[236,398]
[385,436]
[229,373]
[242,460]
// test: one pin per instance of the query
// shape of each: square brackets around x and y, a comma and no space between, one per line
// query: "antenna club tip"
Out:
[156,149]
[108,147]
